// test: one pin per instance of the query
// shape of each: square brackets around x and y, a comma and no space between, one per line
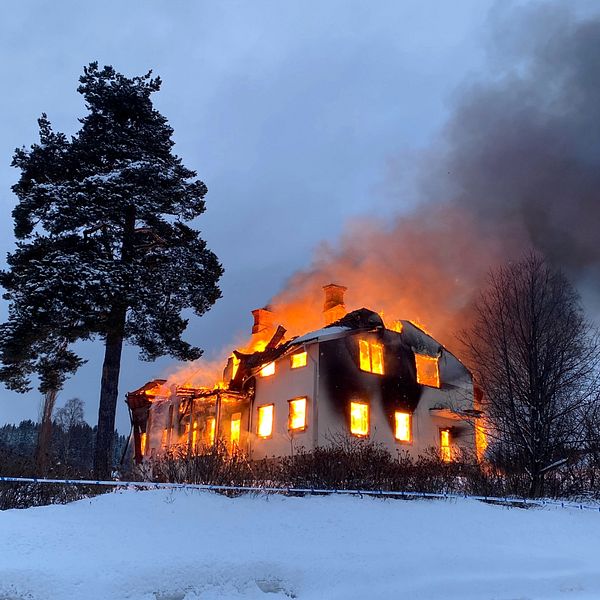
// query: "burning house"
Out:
[357,376]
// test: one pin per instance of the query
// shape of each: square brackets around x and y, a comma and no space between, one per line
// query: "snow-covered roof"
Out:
[320,334]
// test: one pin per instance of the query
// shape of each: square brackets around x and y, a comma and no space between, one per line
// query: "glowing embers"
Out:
[298,360]
[445,449]
[403,426]
[428,371]
[359,418]
[265,421]
[143,442]
[371,356]
[268,370]
[211,425]
[297,416]
[235,429]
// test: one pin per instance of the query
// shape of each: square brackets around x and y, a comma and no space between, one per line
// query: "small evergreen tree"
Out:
[102,240]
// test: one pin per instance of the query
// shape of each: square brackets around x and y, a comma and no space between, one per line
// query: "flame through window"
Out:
[265,421]
[297,416]
[428,370]
[371,356]
[359,418]
[298,360]
[402,430]
[236,427]
[268,369]
[210,430]
[445,451]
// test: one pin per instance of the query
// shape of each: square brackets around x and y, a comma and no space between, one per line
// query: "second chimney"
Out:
[334,307]
[263,320]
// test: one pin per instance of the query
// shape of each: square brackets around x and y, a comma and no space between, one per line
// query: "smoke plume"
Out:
[516,167]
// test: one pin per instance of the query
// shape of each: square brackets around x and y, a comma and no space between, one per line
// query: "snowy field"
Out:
[159,545]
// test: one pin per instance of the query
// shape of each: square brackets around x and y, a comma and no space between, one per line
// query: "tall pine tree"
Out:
[108,214]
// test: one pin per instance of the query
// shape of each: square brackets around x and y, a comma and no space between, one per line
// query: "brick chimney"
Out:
[334,307]
[263,320]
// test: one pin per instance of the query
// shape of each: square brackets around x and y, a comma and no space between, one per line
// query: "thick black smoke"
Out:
[522,149]
[517,166]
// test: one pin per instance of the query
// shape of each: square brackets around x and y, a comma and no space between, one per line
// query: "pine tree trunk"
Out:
[44,441]
[109,387]
[109,393]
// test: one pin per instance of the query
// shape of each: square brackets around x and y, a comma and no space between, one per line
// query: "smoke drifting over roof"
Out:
[517,166]
[523,148]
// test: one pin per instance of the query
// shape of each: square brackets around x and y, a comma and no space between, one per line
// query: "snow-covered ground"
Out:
[159,545]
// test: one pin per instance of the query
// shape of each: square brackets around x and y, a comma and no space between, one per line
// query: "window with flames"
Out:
[264,428]
[268,370]
[403,426]
[210,430]
[235,430]
[297,414]
[359,419]
[445,445]
[298,360]
[371,356]
[428,370]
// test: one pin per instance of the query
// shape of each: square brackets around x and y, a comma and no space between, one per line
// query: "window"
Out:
[194,436]
[403,426]
[359,418]
[165,438]
[236,422]
[297,416]
[169,430]
[143,439]
[445,451]
[210,431]
[265,421]
[371,356]
[298,360]
[268,369]
[428,372]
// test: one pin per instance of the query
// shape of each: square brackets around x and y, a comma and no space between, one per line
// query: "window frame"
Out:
[258,408]
[370,345]
[194,437]
[427,357]
[368,406]
[305,427]
[210,430]
[239,433]
[262,372]
[445,451]
[305,353]
[409,441]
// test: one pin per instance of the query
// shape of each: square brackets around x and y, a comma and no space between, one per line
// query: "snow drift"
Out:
[162,545]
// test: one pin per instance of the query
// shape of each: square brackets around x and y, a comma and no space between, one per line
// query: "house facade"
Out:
[355,377]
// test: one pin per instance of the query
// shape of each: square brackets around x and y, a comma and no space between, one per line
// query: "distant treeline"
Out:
[71,451]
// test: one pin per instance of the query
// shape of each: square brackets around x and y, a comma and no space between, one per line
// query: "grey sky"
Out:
[290,112]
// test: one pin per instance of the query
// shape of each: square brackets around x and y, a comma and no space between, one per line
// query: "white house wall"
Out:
[277,389]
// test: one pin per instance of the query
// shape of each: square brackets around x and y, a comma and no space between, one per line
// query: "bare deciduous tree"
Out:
[68,418]
[536,358]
